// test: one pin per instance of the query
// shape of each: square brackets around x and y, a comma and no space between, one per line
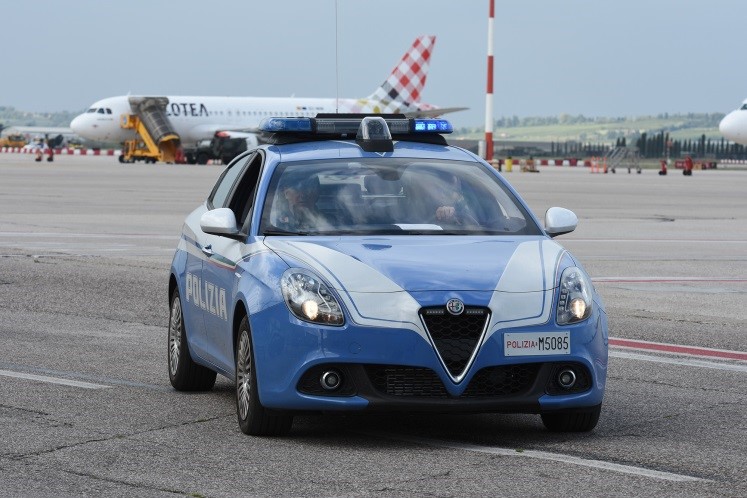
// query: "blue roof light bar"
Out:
[347,125]
[431,126]
[301,125]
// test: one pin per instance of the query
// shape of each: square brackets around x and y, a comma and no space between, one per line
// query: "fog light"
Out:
[567,378]
[331,380]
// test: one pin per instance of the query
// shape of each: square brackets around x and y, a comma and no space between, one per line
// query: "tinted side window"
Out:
[242,200]
[224,184]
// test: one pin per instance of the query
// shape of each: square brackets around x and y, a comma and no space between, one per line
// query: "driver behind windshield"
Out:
[298,210]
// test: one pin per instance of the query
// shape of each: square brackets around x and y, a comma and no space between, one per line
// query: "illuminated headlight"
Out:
[309,299]
[574,303]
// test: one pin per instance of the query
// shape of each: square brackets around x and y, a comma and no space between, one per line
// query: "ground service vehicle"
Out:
[12,141]
[224,146]
[359,263]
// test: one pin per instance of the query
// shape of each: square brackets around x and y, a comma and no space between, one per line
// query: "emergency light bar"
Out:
[347,125]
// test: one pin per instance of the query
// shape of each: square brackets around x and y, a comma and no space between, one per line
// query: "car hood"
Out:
[425,263]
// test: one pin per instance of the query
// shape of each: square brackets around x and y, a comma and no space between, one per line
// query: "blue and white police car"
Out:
[360,263]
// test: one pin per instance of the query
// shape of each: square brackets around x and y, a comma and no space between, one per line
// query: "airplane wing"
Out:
[432,113]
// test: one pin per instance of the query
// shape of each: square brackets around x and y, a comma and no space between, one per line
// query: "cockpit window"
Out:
[744,107]
[92,109]
[101,110]
[108,111]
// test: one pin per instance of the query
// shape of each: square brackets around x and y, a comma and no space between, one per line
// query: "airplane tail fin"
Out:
[403,86]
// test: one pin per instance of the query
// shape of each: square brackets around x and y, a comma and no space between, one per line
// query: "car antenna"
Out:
[337,71]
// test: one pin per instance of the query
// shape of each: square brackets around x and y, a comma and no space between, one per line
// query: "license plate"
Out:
[536,343]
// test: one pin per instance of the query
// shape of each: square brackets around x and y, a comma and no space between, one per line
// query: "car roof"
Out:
[328,149]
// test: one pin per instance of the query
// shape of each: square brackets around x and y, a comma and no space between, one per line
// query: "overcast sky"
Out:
[591,57]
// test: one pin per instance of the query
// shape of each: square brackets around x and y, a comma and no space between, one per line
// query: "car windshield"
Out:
[391,196]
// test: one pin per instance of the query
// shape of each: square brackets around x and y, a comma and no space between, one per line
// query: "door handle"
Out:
[208,250]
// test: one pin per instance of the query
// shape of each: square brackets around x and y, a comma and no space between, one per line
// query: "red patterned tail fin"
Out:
[404,85]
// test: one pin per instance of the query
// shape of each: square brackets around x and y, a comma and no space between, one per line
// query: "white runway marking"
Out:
[52,380]
[665,241]
[544,455]
[679,361]
[70,235]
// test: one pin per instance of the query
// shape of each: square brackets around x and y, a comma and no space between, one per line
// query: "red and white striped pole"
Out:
[489,95]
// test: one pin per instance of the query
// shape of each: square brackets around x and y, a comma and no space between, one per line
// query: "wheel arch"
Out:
[239,313]
[172,286]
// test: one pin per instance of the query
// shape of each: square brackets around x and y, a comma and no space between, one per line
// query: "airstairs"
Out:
[622,157]
[157,140]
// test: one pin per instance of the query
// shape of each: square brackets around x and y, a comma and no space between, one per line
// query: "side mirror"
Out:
[559,221]
[219,221]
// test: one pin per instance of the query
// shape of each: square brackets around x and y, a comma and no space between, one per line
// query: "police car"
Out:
[359,263]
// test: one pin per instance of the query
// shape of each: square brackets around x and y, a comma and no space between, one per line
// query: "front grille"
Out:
[406,381]
[502,381]
[455,336]
[490,382]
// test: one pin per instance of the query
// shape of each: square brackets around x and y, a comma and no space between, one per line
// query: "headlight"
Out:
[574,303]
[309,299]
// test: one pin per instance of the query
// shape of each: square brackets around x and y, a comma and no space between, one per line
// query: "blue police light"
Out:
[431,126]
[300,125]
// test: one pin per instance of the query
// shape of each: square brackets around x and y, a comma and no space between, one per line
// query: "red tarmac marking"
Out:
[674,348]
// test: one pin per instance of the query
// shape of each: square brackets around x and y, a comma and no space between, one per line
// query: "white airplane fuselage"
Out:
[734,125]
[198,118]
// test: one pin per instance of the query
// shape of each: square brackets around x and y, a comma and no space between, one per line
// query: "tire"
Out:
[184,373]
[202,158]
[254,419]
[576,421]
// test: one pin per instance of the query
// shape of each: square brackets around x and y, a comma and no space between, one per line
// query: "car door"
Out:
[194,322]
[207,293]
[219,269]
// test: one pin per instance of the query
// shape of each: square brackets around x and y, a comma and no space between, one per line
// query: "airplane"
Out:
[196,119]
[734,125]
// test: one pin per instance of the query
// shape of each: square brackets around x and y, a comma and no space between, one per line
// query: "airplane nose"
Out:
[731,126]
[77,124]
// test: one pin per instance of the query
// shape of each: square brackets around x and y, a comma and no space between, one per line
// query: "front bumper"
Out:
[398,369]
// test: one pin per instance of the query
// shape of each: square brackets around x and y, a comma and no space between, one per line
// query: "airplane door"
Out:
[220,267]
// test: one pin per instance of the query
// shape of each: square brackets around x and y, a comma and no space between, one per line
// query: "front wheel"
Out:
[184,373]
[575,421]
[254,419]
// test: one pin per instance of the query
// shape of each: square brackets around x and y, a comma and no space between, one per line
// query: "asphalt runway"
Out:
[86,407]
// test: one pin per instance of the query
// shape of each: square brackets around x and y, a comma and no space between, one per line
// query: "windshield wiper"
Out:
[277,231]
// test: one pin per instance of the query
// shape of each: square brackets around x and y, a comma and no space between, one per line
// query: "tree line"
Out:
[661,145]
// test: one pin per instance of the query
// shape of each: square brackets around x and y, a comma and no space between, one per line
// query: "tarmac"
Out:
[86,406]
